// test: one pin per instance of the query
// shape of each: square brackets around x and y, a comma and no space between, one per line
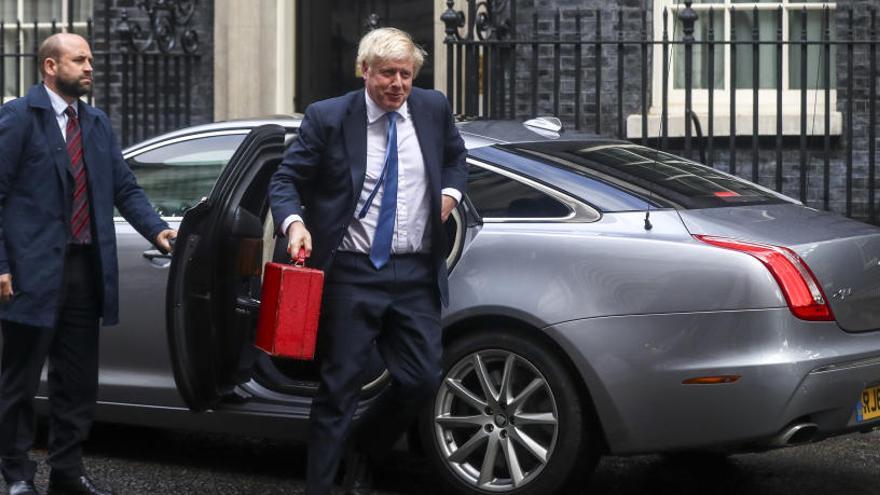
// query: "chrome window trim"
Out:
[850,365]
[579,211]
[188,137]
[456,243]
[167,219]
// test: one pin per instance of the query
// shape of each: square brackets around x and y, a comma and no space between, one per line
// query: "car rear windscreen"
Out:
[653,174]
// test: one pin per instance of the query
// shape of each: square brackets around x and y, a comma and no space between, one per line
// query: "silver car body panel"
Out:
[611,268]
[843,254]
[635,366]
[139,373]
[634,335]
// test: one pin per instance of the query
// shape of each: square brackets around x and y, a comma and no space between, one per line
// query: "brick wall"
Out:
[592,13]
[143,104]
[607,15]
[861,106]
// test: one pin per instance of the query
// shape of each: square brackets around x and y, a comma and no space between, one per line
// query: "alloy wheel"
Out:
[496,420]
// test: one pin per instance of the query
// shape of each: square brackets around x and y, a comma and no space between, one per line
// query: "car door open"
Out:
[215,275]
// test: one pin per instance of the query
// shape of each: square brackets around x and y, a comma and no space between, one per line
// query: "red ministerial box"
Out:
[291,304]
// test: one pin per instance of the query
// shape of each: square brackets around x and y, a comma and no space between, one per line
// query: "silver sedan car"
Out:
[606,298]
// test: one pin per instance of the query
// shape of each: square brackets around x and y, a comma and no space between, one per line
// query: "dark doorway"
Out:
[327,36]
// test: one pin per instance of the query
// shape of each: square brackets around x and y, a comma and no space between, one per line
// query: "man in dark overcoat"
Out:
[61,175]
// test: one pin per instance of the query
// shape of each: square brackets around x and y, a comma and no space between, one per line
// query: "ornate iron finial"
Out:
[688,17]
[190,41]
[454,20]
[374,21]
[166,18]
[184,10]
[491,20]
[123,30]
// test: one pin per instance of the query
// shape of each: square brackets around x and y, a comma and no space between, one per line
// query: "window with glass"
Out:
[26,23]
[178,175]
[498,196]
[661,177]
[745,21]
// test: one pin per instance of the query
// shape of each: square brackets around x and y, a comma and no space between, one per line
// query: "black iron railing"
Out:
[156,67]
[144,64]
[486,54]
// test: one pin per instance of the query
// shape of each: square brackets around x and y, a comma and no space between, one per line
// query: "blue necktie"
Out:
[380,251]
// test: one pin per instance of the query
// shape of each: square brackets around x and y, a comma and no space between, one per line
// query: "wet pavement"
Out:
[136,460]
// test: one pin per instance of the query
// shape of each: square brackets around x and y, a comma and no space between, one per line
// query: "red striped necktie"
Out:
[79,221]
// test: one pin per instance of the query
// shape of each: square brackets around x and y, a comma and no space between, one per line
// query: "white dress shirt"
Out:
[411,226]
[59,106]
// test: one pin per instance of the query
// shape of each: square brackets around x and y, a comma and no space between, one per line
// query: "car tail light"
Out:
[799,286]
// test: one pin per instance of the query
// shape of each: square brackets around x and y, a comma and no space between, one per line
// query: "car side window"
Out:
[498,196]
[178,175]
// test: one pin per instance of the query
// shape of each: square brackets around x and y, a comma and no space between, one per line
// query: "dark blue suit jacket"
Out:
[322,175]
[36,199]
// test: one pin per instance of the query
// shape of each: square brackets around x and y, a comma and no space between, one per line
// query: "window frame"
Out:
[767,97]
[19,63]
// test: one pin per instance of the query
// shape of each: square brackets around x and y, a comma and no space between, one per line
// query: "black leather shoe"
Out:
[358,474]
[22,488]
[74,486]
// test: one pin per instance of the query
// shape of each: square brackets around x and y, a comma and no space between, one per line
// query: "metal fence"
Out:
[495,70]
[144,64]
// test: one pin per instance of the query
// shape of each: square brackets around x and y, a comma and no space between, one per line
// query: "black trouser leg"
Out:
[24,351]
[412,349]
[398,308]
[73,367]
[350,319]
[72,350]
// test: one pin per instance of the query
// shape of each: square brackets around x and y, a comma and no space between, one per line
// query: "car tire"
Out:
[531,439]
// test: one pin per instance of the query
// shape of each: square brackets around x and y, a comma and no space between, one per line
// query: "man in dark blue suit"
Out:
[364,190]
[61,174]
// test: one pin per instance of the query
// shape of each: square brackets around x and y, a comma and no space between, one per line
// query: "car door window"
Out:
[498,196]
[178,175]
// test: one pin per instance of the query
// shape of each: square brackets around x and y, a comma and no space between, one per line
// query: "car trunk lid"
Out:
[843,254]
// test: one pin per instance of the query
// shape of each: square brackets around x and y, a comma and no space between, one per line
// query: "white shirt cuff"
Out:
[452,193]
[289,220]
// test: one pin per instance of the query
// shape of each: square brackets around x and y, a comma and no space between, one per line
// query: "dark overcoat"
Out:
[36,199]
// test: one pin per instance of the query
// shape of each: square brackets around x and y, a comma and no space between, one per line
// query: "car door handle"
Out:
[155,254]
[246,305]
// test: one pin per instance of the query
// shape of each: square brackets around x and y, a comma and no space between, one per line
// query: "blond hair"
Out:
[389,44]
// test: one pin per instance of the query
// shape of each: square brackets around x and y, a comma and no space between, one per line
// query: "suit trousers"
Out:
[72,350]
[397,309]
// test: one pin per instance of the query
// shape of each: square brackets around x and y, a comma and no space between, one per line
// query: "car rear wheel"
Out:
[507,418]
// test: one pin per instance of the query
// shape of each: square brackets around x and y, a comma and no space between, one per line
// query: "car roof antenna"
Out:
[648,224]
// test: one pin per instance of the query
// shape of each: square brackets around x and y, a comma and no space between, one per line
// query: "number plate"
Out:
[869,404]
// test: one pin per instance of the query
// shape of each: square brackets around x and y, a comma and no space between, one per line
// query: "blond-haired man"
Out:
[364,190]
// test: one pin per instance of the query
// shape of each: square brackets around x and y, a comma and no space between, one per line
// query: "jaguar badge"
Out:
[842,294]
